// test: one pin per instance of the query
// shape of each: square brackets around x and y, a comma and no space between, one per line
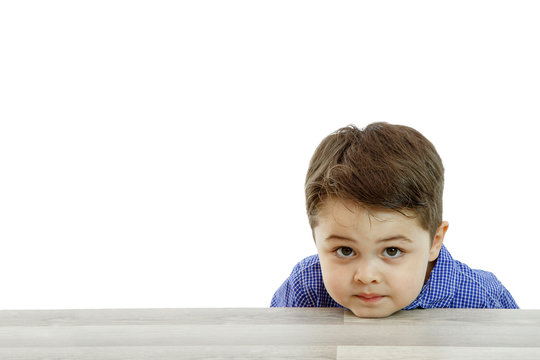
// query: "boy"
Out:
[374,203]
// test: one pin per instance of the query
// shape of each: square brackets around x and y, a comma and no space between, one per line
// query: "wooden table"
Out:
[275,333]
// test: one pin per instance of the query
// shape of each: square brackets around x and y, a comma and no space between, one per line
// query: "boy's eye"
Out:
[392,252]
[344,252]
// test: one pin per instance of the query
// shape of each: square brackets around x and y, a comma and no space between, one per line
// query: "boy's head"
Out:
[374,202]
[390,166]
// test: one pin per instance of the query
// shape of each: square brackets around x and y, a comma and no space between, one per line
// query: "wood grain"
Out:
[276,333]
[170,353]
[186,316]
[449,317]
[436,352]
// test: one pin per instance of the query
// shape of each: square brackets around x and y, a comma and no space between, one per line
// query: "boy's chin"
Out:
[372,313]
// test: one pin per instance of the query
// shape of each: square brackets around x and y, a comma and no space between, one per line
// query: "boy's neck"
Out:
[430,267]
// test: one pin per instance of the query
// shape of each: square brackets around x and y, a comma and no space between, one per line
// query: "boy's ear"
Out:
[438,241]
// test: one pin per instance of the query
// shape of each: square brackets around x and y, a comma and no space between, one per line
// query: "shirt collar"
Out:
[439,290]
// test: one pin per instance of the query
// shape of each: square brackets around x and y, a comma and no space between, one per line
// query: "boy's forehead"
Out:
[350,208]
[347,219]
[348,213]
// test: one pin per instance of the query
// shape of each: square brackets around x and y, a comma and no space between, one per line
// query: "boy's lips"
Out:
[370,298]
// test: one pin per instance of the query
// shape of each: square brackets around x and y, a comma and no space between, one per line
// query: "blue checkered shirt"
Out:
[451,284]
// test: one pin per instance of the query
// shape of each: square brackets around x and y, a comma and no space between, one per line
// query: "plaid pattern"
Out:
[451,284]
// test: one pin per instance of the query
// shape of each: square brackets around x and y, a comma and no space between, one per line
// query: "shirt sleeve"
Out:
[507,301]
[284,296]
[294,292]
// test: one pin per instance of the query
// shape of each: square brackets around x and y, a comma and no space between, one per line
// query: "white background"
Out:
[153,153]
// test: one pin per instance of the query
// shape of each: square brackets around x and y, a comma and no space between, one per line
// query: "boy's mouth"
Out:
[370,298]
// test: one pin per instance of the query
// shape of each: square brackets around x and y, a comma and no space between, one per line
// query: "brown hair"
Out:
[392,166]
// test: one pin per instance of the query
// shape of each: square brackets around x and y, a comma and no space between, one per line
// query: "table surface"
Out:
[270,333]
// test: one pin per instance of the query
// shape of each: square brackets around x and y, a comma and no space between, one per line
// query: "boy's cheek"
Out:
[407,285]
[336,280]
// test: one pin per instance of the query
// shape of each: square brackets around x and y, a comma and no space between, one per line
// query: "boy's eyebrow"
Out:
[337,237]
[395,237]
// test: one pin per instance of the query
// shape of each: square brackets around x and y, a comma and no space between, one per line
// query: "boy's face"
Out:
[373,263]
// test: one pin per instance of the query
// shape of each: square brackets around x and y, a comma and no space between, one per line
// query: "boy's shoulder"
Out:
[307,274]
[308,264]
[456,285]
[304,287]
[478,288]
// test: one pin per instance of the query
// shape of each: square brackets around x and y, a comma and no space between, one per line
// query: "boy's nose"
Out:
[367,273]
